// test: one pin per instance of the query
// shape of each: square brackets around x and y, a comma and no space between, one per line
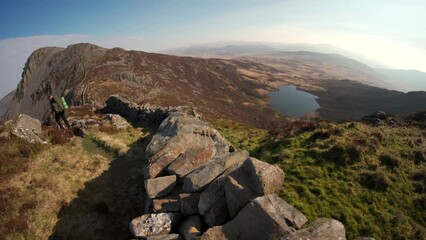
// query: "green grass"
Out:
[366,177]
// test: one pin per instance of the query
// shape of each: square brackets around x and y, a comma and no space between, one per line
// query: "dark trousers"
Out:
[58,116]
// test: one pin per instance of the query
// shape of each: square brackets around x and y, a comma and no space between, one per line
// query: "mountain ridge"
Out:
[226,88]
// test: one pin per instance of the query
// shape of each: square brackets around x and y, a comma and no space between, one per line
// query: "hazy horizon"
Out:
[388,32]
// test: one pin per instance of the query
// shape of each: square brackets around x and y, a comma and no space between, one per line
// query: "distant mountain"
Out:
[220,88]
[232,49]
[404,80]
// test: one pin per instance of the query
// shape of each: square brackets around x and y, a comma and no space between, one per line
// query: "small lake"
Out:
[293,102]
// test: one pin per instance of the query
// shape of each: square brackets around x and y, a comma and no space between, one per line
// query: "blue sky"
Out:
[392,32]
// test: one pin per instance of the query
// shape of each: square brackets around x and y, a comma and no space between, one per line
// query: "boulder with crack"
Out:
[183,135]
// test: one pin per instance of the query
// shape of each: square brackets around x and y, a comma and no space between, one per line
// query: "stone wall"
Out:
[198,186]
[141,113]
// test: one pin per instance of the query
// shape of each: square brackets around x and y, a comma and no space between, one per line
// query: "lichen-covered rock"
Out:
[205,174]
[190,160]
[190,228]
[178,134]
[160,187]
[322,228]
[27,128]
[266,217]
[153,224]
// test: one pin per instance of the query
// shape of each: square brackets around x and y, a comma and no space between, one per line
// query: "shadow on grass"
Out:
[106,205]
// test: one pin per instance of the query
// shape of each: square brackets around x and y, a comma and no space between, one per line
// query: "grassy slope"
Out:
[80,188]
[370,178]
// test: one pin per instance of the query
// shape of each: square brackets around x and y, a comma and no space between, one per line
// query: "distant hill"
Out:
[220,88]
[404,80]
[232,49]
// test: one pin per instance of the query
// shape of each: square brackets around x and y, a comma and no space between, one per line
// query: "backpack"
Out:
[64,103]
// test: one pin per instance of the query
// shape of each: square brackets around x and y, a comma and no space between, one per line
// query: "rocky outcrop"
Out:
[27,128]
[141,113]
[205,187]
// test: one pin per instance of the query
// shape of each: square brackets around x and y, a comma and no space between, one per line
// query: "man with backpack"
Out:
[58,110]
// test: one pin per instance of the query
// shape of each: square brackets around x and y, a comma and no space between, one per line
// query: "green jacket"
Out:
[56,105]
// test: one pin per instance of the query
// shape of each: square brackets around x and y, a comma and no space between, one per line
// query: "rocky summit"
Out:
[201,187]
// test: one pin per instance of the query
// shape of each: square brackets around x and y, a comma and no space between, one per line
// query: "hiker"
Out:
[59,111]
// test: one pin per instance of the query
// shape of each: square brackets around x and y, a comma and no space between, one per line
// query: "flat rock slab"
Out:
[190,160]
[166,205]
[160,187]
[205,174]
[153,224]
[322,228]
[266,217]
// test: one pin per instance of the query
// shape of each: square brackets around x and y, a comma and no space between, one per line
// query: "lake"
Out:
[293,102]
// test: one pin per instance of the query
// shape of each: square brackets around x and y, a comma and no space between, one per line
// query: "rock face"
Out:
[221,192]
[27,128]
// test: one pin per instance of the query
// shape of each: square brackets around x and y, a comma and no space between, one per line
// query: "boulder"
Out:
[190,160]
[27,128]
[189,203]
[153,224]
[254,178]
[118,121]
[212,204]
[205,174]
[265,217]
[166,205]
[182,134]
[190,229]
[322,228]
[160,187]
[214,233]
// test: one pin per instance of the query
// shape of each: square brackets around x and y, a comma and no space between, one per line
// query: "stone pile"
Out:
[198,186]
